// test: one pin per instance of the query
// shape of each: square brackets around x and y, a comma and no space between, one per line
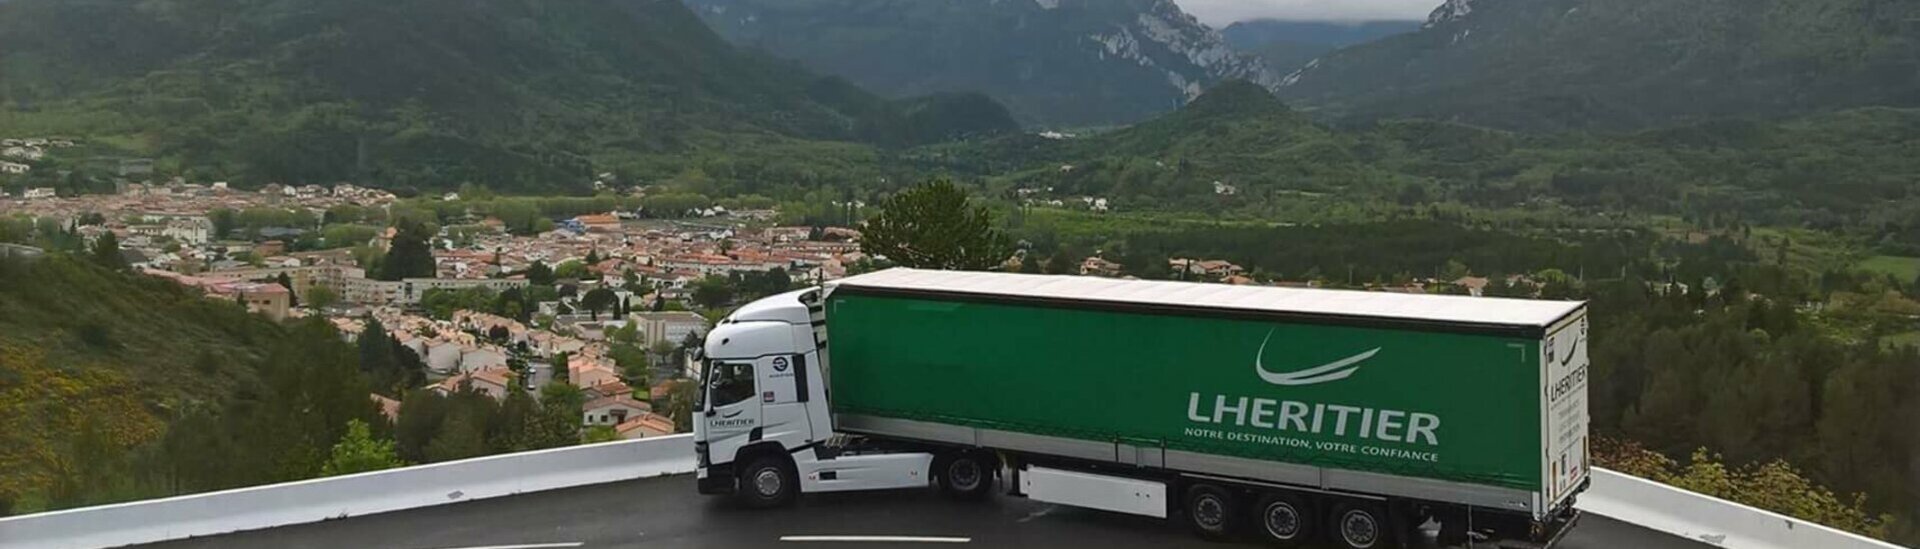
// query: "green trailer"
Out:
[1307,406]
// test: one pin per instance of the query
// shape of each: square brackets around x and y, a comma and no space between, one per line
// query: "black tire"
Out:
[966,475]
[1359,526]
[1284,520]
[1212,512]
[768,481]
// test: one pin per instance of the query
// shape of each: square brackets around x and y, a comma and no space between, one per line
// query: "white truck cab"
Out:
[762,426]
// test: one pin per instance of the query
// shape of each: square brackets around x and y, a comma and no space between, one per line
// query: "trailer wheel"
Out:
[768,481]
[1211,511]
[1360,526]
[966,475]
[1284,521]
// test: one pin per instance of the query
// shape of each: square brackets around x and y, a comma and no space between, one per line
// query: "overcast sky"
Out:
[1219,13]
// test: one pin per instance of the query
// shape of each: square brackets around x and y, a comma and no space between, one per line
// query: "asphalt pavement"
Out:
[667,513]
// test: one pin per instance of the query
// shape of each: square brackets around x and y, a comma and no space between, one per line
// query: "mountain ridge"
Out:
[1288,45]
[433,93]
[1622,64]
[1053,62]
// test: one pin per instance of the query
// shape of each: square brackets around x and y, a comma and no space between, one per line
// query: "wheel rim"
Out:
[964,474]
[1282,520]
[768,482]
[1209,512]
[1359,529]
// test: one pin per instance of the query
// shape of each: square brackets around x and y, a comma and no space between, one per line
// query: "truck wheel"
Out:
[768,481]
[966,475]
[1360,526]
[1211,511]
[1284,521]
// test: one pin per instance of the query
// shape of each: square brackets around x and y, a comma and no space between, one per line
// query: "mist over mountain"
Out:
[1289,45]
[1052,62]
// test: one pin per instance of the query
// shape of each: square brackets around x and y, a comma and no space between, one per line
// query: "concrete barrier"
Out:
[347,496]
[1708,519]
[1646,503]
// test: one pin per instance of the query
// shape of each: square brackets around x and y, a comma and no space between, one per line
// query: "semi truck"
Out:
[1300,416]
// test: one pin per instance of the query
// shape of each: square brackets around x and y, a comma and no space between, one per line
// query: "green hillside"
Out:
[94,362]
[520,94]
[1850,171]
[1624,64]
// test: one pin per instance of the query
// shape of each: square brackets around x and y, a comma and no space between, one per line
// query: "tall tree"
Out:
[287,282]
[539,274]
[713,292]
[377,360]
[561,372]
[223,220]
[410,255]
[933,227]
[598,299]
[461,437]
[421,413]
[106,252]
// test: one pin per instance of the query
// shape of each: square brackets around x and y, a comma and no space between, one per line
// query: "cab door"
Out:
[783,399]
[733,406]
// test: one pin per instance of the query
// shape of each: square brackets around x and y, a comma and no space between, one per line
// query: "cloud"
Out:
[1219,13]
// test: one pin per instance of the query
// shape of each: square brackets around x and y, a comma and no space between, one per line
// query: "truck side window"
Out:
[732,383]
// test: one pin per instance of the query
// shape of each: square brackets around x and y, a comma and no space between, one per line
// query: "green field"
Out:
[1903,268]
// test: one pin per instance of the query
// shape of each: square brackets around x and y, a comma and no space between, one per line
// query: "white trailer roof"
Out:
[1289,301]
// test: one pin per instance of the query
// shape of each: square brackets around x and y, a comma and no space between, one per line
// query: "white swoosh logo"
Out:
[1331,371]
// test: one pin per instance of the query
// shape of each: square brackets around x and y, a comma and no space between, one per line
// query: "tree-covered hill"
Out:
[1852,171]
[112,387]
[1624,64]
[517,93]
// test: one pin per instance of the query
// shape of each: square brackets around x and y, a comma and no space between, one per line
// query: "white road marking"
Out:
[1037,514]
[561,545]
[886,539]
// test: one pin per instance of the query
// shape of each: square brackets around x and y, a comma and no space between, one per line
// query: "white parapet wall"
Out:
[1614,495]
[1708,519]
[348,496]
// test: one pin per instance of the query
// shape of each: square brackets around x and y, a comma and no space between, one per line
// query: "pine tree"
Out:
[106,252]
[410,255]
[1664,416]
[376,355]
[421,413]
[560,369]
[359,452]
[1853,426]
[519,415]
[539,274]
[461,437]
[598,300]
[287,282]
[933,227]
